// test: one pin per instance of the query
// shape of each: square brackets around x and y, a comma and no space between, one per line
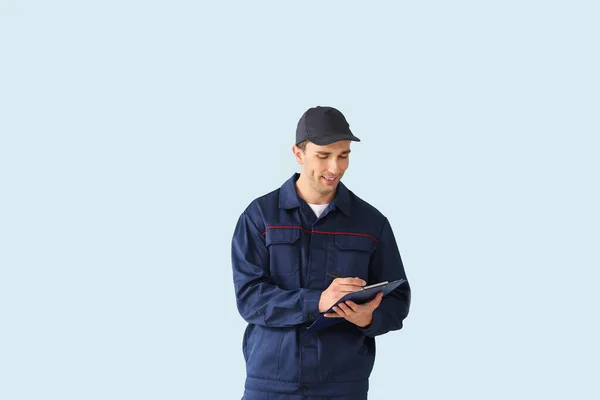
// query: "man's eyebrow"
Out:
[327,152]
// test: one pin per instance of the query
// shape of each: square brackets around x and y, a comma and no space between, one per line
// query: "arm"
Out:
[386,264]
[258,300]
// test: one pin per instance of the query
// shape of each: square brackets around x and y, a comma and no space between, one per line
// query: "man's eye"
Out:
[343,156]
[322,157]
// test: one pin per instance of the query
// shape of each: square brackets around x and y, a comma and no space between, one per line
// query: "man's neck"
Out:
[309,195]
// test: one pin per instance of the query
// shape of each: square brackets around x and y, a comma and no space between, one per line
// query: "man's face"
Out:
[324,166]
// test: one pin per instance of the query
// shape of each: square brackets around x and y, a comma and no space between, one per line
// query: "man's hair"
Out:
[302,145]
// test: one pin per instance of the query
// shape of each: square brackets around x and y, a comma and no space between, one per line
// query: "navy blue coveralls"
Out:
[281,253]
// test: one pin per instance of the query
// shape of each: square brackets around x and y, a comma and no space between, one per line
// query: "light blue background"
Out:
[134,133]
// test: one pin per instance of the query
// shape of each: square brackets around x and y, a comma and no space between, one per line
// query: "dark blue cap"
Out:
[323,125]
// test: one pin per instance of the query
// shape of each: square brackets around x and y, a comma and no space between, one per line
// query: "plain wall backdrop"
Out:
[134,133]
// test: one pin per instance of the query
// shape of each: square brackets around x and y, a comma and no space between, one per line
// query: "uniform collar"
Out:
[288,197]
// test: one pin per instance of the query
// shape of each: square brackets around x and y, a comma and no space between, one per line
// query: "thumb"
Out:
[376,301]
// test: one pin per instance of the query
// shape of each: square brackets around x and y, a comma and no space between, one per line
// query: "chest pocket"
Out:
[284,252]
[350,256]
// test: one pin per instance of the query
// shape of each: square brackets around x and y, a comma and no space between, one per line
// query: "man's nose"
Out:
[334,166]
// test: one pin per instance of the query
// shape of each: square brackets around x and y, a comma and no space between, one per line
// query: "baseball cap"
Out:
[323,125]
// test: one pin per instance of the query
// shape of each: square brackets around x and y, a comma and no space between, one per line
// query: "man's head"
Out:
[322,166]
[322,148]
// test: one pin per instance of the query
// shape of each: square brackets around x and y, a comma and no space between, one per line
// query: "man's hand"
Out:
[338,289]
[359,314]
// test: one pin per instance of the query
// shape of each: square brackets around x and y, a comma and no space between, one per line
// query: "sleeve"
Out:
[258,300]
[386,265]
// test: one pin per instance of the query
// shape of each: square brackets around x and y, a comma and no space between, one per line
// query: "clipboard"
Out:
[361,296]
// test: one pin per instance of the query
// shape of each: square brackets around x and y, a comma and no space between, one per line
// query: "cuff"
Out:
[310,305]
[372,329]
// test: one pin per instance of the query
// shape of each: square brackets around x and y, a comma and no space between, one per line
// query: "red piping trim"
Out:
[313,231]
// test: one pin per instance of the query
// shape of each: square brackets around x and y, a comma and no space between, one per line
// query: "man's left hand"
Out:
[359,314]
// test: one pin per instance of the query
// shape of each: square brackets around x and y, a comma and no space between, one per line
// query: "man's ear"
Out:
[299,154]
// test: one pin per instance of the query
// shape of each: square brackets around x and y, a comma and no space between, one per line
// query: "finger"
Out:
[339,311]
[351,281]
[332,315]
[348,288]
[352,305]
[345,309]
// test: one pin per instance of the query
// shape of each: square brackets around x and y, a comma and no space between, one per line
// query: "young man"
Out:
[287,248]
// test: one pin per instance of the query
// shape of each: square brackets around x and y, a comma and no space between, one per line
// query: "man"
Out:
[287,247]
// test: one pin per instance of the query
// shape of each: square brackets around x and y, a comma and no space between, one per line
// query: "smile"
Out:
[330,180]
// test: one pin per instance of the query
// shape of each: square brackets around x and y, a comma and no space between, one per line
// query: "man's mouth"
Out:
[330,179]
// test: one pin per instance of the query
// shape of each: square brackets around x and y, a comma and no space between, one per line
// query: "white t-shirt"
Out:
[318,208]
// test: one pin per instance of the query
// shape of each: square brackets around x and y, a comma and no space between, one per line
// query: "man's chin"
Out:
[327,189]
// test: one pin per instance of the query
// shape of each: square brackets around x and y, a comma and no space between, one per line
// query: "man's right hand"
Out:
[338,289]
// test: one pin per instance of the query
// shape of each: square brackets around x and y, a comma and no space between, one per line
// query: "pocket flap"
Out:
[354,242]
[281,235]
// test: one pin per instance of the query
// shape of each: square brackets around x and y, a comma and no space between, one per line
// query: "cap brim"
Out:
[325,140]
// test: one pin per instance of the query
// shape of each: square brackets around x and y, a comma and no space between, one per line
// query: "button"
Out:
[303,388]
[311,316]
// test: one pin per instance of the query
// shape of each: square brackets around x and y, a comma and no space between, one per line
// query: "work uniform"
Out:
[281,256]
